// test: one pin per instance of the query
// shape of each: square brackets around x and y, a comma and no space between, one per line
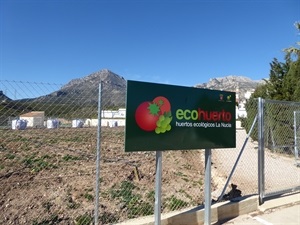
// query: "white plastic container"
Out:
[77,123]
[19,124]
[52,123]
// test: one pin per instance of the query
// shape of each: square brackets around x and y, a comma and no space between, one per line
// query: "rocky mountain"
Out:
[3,97]
[238,84]
[86,90]
[79,97]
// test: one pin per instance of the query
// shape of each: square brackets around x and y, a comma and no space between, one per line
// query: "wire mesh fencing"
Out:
[235,171]
[281,168]
[279,172]
[47,154]
[49,138]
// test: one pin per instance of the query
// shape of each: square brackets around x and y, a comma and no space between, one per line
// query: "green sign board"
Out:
[168,117]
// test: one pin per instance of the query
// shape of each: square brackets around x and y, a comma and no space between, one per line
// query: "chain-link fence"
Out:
[48,166]
[281,171]
[276,131]
[47,154]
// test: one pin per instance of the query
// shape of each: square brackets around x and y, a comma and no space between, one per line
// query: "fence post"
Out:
[97,188]
[296,138]
[261,148]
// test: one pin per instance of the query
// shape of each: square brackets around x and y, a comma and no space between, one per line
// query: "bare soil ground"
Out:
[47,176]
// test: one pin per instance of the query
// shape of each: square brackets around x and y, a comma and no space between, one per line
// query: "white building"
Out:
[121,113]
[249,93]
[34,118]
[109,118]
[241,111]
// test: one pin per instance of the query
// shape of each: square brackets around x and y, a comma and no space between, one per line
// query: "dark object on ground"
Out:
[233,193]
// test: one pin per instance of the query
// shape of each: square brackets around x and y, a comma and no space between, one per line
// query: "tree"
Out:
[294,51]
[260,91]
[291,87]
[284,77]
[292,79]
[274,86]
[283,84]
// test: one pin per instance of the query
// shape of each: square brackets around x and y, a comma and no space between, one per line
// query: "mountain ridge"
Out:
[239,84]
[114,88]
[86,89]
[3,97]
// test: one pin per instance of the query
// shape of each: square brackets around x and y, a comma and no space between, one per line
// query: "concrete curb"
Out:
[281,201]
[195,216]
[222,211]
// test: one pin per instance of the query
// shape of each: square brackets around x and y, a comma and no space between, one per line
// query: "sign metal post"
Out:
[157,210]
[207,188]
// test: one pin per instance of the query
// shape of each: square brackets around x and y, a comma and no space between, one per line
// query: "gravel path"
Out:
[280,171]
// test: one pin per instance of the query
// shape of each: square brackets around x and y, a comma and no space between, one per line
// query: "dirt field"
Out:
[47,176]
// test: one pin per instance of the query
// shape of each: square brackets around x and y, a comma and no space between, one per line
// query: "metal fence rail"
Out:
[297,137]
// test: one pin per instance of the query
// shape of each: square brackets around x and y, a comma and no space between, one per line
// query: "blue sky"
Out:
[180,42]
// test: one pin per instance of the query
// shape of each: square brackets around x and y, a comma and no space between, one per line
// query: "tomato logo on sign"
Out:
[154,115]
